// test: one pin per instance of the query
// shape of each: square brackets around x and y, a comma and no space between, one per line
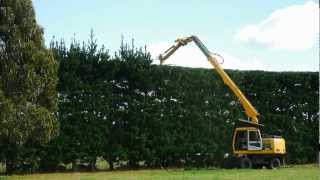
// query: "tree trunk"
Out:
[74,165]
[9,167]
[110,161]
[93,164]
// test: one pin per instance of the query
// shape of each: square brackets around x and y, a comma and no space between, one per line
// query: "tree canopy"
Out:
[28,79]
[125,109]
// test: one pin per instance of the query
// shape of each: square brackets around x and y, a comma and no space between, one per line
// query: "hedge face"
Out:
[125,108]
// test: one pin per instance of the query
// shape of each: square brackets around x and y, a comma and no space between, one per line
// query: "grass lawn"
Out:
[299,172]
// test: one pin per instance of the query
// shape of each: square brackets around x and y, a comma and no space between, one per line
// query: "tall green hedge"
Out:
[129,111]
[124,108]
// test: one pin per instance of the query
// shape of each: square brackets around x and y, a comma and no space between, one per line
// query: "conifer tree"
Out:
[28,79]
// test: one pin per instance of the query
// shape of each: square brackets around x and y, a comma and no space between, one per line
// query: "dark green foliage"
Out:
[125,109]
[28,79]
[84,98]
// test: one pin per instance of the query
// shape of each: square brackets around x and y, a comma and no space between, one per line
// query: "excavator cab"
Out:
[247,139]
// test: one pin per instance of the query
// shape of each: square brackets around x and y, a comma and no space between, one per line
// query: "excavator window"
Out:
[253,136]
[248,140]
[242,140]
[255,142]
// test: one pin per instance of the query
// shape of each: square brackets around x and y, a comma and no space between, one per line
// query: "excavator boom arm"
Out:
[250,111]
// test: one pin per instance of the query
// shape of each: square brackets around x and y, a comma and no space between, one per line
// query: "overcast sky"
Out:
[251,35]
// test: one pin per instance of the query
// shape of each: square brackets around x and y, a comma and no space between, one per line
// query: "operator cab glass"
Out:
[248,140]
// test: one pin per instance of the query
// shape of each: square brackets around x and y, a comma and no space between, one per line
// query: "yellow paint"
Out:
[276,145]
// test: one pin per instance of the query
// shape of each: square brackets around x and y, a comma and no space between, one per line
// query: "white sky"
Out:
[294,28]
[273,35]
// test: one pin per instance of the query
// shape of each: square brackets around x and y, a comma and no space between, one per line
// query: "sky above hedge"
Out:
[260,35]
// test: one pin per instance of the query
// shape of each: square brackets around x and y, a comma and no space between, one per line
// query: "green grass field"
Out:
[299,172]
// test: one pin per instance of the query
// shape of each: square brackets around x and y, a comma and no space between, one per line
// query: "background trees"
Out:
[128,111]
[28,79]
[125,109]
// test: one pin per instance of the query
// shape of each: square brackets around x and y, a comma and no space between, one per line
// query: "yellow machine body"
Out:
[269,145]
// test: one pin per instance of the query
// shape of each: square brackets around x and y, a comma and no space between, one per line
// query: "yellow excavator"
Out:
[250,148]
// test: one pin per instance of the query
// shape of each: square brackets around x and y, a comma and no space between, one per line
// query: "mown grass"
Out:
[299,172]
